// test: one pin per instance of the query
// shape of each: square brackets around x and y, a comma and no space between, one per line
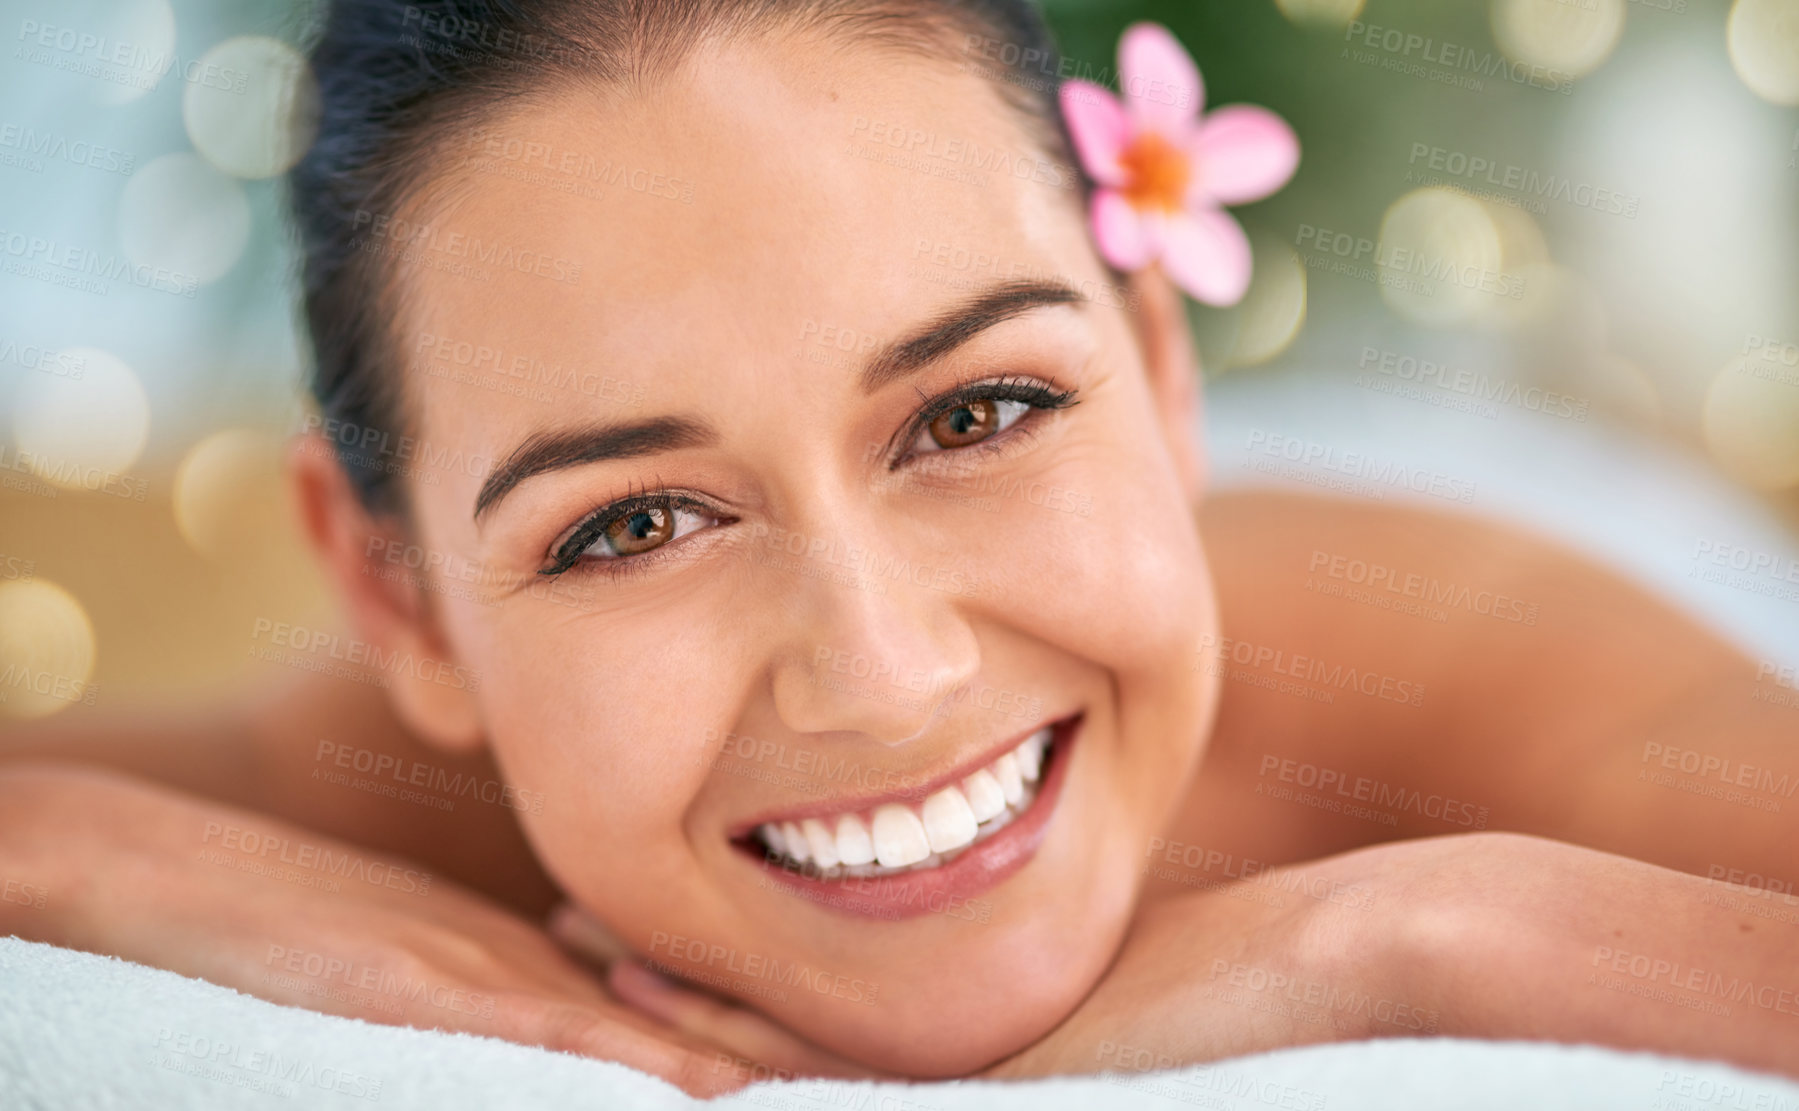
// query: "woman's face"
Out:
[896,496]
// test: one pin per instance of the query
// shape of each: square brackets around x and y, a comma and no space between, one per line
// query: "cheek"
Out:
[611,720]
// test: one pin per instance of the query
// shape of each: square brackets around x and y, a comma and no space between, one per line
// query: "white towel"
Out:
[79,1031]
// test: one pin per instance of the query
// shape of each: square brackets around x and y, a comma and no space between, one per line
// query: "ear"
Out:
[388,611]
[1173,367]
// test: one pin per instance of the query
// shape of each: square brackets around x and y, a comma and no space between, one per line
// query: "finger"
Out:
[528,1020]
[582,934]
[732,1027]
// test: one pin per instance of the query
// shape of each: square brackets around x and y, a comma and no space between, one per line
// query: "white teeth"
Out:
[1030,755]
[1011,781]
[853,843]
[948,821]
[899,837]
[821,841]
[985,798]
[797,846]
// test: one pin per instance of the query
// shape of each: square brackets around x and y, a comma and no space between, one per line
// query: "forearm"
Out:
[1514,937]
[326,755]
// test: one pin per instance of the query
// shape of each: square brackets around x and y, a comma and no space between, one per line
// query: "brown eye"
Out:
[641,530]
[968,423]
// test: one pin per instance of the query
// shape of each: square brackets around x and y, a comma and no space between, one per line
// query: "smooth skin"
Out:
[614,697]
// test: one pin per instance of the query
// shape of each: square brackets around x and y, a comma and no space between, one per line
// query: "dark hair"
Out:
[395,78]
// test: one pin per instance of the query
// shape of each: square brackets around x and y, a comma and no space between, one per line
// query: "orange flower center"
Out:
[1157,172]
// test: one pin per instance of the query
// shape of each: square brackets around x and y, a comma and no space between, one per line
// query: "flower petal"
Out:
[1207,254]
[1161,85]
[1099,127]
[1124,239]
[1243,153]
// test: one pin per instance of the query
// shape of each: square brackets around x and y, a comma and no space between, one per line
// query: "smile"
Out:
[966,835]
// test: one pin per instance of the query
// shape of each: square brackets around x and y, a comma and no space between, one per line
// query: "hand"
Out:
[759,1049]
[177,882]
[1241,968]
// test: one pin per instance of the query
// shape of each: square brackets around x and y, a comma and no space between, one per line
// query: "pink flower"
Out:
[1163,171]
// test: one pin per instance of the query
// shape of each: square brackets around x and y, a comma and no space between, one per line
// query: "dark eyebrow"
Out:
[554,450]
[958,325]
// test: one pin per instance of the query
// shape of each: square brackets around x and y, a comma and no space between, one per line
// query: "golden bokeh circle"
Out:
[1751,421]
[46,649]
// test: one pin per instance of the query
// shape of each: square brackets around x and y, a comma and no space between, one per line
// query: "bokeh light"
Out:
[1570,37]
[79,431]
[1320,13]
[1440,257]
[1763,38]
[181,214]
[142,31]
[1274,309]
[46,649]
[264,129]
[222,491]
[1752,421]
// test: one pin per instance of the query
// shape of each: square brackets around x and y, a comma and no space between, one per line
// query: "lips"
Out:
[897,858]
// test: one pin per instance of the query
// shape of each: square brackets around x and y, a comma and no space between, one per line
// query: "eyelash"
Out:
[1030,391]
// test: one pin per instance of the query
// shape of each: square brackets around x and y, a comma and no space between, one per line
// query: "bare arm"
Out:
[1477,935]
[327,755]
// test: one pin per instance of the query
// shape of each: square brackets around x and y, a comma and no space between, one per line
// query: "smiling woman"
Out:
[840,710]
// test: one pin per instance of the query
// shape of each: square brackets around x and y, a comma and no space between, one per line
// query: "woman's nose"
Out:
[881,663]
